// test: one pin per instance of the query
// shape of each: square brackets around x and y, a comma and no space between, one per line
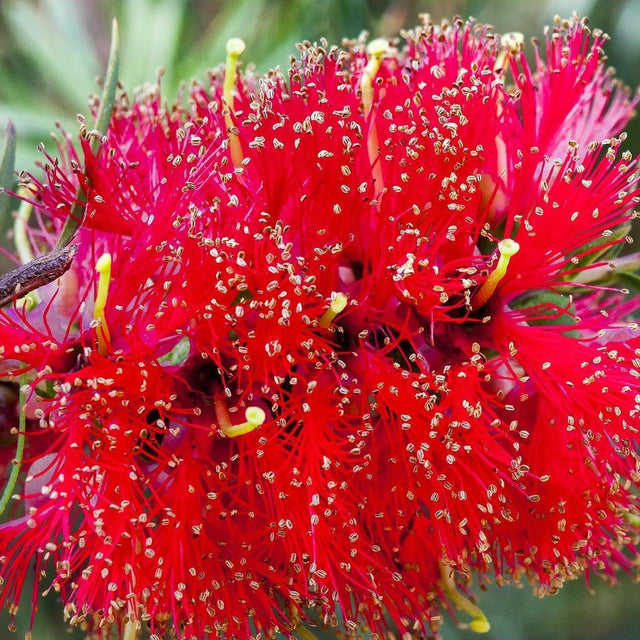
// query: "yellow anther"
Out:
[376,49]
[103,267]
[479,623]
[507,249]
[254,416]
[510,44]
[338,305]
[235,47]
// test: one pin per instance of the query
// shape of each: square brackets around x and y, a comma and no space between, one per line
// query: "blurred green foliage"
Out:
[52,52]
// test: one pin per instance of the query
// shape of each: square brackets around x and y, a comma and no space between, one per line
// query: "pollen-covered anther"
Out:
[235,47]
[103,267]
[510,44]
[507,249]
[254,417]
[338,305]
[479,622]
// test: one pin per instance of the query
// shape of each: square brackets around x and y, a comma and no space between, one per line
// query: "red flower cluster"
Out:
[335,341]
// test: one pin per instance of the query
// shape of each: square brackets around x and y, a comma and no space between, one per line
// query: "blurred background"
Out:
[52,52]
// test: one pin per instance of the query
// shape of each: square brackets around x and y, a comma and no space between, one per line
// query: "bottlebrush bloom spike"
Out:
[356,336]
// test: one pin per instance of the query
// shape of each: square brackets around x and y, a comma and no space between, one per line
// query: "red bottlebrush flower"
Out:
[334,342]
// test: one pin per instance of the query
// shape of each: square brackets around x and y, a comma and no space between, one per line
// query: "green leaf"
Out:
[178,355]
[242,297]
[630,279]
[55,25]
[144,55]
[602,249]
[107,100]
[611,274]
[548,308]
[7,162]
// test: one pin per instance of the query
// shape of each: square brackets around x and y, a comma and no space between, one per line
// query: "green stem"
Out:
[15,470]
[108,97]
[479,622]
[105,111]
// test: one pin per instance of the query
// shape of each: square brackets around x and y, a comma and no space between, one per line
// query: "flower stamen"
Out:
[376,49]
[479,623]
[632,518]
[510,44]
[103,267]
[235,47]
[507,249]
[255,417]
[130,630]
[338,305]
